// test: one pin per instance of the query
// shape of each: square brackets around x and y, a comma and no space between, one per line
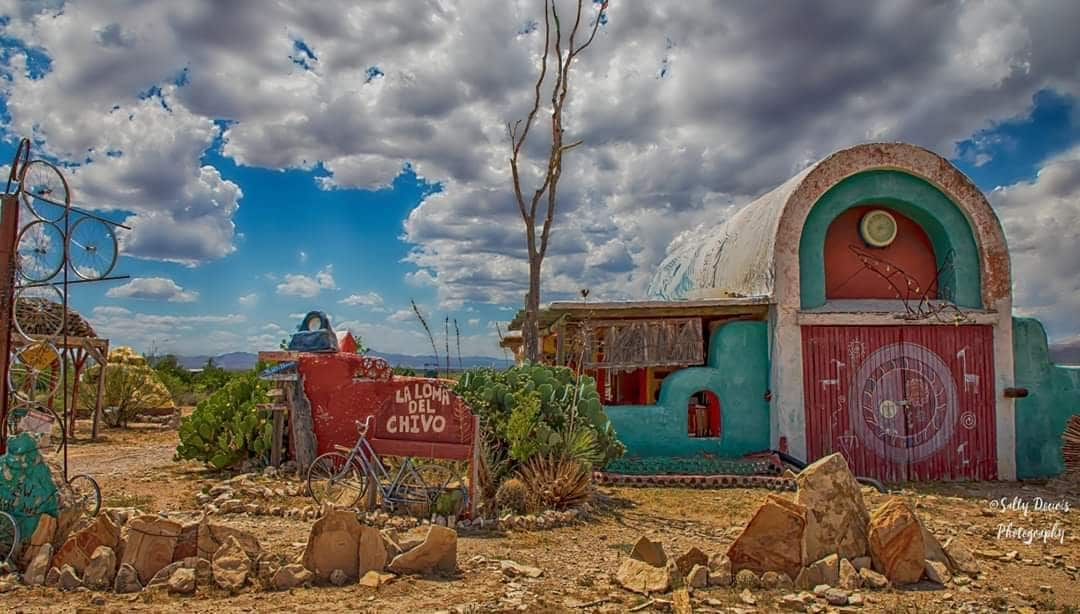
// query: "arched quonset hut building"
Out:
[864,306]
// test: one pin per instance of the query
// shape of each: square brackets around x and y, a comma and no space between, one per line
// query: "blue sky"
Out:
[349,158]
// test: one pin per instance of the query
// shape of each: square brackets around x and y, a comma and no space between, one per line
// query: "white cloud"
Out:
[302,256]
[1042,225]
[307,287]
[402,315]
[474,322]
[368,299]
[248,299]
[177,334]
[154,289]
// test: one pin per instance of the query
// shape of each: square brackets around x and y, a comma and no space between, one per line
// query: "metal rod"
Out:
[71,283]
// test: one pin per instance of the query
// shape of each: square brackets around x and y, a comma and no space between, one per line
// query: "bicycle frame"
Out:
[364,455]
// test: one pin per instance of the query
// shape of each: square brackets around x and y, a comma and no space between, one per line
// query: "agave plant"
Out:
[557,481]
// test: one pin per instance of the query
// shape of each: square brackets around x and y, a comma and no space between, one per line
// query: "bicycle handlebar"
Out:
[363,427]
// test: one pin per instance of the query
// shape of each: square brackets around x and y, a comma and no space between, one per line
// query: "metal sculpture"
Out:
[912,290]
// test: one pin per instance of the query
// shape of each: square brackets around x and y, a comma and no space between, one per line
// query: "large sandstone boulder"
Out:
[39,566]
[43,534]
[822,571]
[438,552]
[896,542]
[693,556]
[772,540]
[127,580]
[101,572]
[231,565]
[182,581]
[650,552]
[932,549]
[149,542]
[333,543]
[187,543]
[291,576]
[638,576]
[836,515]
[960,557]
[210,537]
[78,548]
[372,554]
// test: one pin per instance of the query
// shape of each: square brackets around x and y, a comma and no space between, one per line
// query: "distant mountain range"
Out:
[1067,353]
[241,361]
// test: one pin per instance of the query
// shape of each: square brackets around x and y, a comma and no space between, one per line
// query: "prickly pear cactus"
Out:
[226,428]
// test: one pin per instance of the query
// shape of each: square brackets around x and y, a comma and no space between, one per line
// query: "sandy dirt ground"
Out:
[135,468]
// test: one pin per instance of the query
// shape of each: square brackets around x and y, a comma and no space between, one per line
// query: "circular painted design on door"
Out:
[903,402]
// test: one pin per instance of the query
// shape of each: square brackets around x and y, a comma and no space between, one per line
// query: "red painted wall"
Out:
[845,275]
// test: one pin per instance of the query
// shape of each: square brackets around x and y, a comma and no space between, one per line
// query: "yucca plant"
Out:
[557,481]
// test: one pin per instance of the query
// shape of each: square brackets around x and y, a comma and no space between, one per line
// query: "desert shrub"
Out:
[131,387]
[226,427]
[532,409]
[557,481]
[512,496]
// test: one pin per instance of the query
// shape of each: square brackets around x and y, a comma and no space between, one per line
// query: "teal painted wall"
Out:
[737,372]
[942,220]
[1054,395]
[26,485]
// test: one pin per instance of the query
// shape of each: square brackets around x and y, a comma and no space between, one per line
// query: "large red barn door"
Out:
[902,402]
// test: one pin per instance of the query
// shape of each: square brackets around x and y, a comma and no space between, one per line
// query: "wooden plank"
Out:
[277,433]
[303,427]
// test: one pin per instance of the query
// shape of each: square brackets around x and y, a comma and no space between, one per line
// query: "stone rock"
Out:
[127,580]
[339,577]
[69,578]
[78,548]
[514,569]
[210,538]
[937,572]
[691,557]
[149,543]
[680,601]
[231,565]
[793,602]
[43,534]
[836,516]
[101,571]
[823,571]
[333,543]
[960,557]
[896,542]
[371,551]
[375,579]
[290,576]
[747,597]
[39,566]
[772,540]
[872,579]
[720,570]
[747,579]
[53,577]
[698,577]
[932,550]
[862,562]
[187,543]
[849,576]
[438,552]
[836,596]
[650,552]
[204,574]
[182,581]
[640,577]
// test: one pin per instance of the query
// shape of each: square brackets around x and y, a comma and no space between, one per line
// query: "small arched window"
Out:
[703,414]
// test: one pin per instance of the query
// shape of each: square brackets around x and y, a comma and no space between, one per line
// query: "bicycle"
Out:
[341,478]
[9,537]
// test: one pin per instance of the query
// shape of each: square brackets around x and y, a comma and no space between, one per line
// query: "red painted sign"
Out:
[902,403]
[412,416]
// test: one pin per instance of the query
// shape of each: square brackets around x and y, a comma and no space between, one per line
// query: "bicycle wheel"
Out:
[34,373]
[332,479]
[421,486]
[9,537]
[44,190]
[40,251]
[87,494]
[91,248]
[40,419]
[39,311]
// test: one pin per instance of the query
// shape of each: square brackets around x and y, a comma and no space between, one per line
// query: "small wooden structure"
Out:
[76,341]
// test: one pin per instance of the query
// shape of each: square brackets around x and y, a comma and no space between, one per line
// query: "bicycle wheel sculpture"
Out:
[44,191]
[91,248]
[40,249]
[87,494]
[9,537]
[34,313]
[333,479]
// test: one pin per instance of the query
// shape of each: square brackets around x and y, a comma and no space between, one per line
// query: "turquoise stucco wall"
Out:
[942,220]
[737,372]
[1054,395]
[26,484]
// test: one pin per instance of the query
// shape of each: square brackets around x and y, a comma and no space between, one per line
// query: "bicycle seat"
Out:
[341,448]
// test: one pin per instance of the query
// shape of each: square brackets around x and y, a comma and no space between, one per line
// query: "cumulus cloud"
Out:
[248,300]
[1042,225]
[187,334]
[367,299]
[153,289]
[306,286]
[686,113]
[401,315]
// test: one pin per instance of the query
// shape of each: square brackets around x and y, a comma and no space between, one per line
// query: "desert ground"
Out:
[135,469]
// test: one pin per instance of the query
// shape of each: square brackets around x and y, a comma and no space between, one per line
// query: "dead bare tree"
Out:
[518,132]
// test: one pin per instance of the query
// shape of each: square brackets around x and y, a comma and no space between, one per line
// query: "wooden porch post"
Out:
[80,360]
[100,390]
